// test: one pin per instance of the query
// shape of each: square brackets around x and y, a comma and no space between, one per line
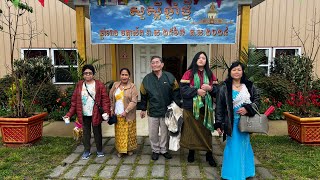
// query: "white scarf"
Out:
[242,97]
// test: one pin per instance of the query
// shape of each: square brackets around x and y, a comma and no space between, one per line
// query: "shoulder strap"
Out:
[90,94]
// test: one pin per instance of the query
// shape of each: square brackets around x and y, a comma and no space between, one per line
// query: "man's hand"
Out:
[143,114]
[206,87]
[219,131]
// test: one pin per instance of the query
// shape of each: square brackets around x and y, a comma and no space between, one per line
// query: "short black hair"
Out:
[88,66]
[125,69]
[154,57]
[234,64]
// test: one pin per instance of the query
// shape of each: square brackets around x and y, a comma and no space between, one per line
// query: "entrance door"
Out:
[193,49]
[142,57]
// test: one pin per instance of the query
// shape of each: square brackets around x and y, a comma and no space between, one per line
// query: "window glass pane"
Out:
[34,53]
[65,57]
[62,75]
[286,52]
[264,53]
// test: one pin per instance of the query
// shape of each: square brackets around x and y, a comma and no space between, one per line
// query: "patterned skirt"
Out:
[125,135]
[194,134]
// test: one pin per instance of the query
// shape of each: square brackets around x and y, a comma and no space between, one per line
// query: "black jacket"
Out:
[157,94]
[224,109]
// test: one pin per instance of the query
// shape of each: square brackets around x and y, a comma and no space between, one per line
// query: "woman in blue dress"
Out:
[235,98]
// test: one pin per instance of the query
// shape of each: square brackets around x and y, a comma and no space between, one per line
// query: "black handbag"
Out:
[113,119]
[256,124]
[101,111]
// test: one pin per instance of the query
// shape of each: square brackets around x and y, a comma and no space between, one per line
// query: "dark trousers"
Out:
[87,122]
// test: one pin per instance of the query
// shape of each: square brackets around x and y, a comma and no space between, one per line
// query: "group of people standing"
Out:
[195,93]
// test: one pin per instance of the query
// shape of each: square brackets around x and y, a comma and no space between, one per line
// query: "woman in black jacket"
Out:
[235,98]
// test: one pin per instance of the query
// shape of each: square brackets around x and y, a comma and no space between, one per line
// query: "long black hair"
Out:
[244,78]
[195,67]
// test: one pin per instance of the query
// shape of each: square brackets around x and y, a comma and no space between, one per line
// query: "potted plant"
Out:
[304,121]
[22,126]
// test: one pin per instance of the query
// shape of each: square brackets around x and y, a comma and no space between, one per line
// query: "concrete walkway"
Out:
[140,165]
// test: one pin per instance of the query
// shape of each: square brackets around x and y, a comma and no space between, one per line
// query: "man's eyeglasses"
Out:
[87,73]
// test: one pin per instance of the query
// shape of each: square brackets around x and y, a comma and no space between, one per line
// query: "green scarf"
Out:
[197,103]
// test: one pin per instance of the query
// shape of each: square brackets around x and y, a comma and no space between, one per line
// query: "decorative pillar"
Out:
[244,29]
[81,35]
[113,61]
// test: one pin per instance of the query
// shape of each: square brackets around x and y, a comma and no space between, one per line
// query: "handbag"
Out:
[101,111]
[256,124]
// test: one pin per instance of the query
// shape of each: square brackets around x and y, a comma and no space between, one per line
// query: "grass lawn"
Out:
[286,158]
[34,162]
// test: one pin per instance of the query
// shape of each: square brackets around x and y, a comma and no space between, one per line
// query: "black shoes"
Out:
[191,156]
[155,156]
[210,159]
[167,155]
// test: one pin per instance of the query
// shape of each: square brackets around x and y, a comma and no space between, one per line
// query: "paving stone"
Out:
[107,172]
[193,172]
[158,170]
[124,171]
[84,178]
[57,171]
[203,161]
[217,150]
[175,152]
[79,149]
[104,140]
[211,173]
[264,173]
[70,159]
[93,149]
[140,139]
[111,142]
[256,161]
[218,159]
[175,173]
[91,141]
[147,150]
[141,171]
[144,159]
[91,170]
[108,149]
[215,141]
[175,161]
[130,159]
[73,172]
[114,160]
[100,160]
[161,160]
[147,141]
[201,152]
[82,162]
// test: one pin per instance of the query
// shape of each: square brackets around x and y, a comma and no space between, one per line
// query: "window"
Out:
[271,53]
[62,61]
[32,53]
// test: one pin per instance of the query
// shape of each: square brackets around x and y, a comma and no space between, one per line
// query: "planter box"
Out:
[22,131]
[303,130]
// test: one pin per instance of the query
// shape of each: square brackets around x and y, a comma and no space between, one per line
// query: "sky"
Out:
[119,18]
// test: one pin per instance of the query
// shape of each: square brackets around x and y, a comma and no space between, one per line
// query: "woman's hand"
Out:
[206,87]
[143,114]
[242,111]
[201,92]
[124,114]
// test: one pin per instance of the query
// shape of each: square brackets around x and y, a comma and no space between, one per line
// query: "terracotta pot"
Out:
[22,131]
[303,130]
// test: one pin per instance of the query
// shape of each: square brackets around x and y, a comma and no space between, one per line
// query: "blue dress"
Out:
[238,158]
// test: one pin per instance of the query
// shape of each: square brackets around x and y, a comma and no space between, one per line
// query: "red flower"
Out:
[279,104]
[63,104]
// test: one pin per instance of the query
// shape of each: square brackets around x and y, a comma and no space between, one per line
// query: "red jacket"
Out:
[101,98]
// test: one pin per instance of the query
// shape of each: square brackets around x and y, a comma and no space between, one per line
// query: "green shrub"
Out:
[47,95]
[316,85]
[275,87]
[5,83]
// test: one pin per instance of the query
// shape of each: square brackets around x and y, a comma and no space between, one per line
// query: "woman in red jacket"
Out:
[88,96]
